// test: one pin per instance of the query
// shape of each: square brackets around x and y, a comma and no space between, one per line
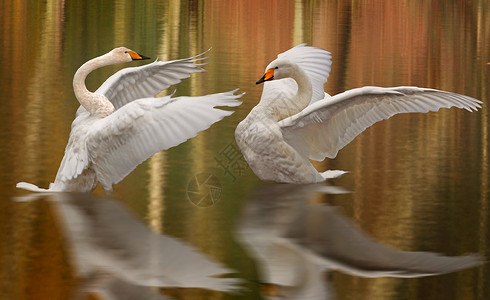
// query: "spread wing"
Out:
[76,158]
[152,78]
[325,127]
[136,131]
[315,62]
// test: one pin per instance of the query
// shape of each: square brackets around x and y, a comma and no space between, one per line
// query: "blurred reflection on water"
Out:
[296,242]
[420,182]
[115,255]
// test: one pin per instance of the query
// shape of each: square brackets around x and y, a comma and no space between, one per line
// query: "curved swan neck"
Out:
[284,108]
[305,91]
[94,103]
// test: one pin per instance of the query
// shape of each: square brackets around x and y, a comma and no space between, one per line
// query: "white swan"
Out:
[122,124]
[296,120]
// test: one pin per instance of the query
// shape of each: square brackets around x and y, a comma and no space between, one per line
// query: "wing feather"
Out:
[325,127]
[314,61]
[134,83]
[118,143]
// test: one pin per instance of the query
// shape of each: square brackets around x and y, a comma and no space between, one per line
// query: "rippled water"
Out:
[419,182]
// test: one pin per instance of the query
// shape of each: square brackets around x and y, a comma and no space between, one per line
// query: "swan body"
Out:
[122,124]
[296,121]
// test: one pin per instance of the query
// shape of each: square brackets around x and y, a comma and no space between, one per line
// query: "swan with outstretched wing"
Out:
[296,121]
[122,124]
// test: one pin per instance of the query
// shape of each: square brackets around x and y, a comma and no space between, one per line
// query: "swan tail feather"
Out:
[31,187]
[333,174]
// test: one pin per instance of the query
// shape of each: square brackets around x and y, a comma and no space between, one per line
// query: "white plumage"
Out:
[122,124]
[325,127]
[296,120]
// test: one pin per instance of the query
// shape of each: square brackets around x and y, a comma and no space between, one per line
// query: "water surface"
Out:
[419,182]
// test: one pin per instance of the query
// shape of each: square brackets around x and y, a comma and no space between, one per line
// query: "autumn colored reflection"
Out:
[420,182]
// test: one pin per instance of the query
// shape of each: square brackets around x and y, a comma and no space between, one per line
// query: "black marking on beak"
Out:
[137,56]
[263,79]
[260,80]
[143,57]
[269,75]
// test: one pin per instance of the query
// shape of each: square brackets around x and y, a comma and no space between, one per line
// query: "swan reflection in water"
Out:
[295,242]
[118,257]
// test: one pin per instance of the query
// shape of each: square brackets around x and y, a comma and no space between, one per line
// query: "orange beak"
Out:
[269,75]
[136,56]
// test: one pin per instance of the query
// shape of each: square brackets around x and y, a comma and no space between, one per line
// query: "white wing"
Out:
[145,81]
[325,127]
[76,158]
[315,62]
[136,131]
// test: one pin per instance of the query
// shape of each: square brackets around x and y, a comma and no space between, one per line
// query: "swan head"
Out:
[279,69]
[123,54]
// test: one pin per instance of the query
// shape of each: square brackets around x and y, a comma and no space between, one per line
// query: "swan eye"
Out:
[276,68]
[125,51]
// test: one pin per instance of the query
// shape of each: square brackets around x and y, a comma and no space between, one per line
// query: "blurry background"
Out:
[420,182]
